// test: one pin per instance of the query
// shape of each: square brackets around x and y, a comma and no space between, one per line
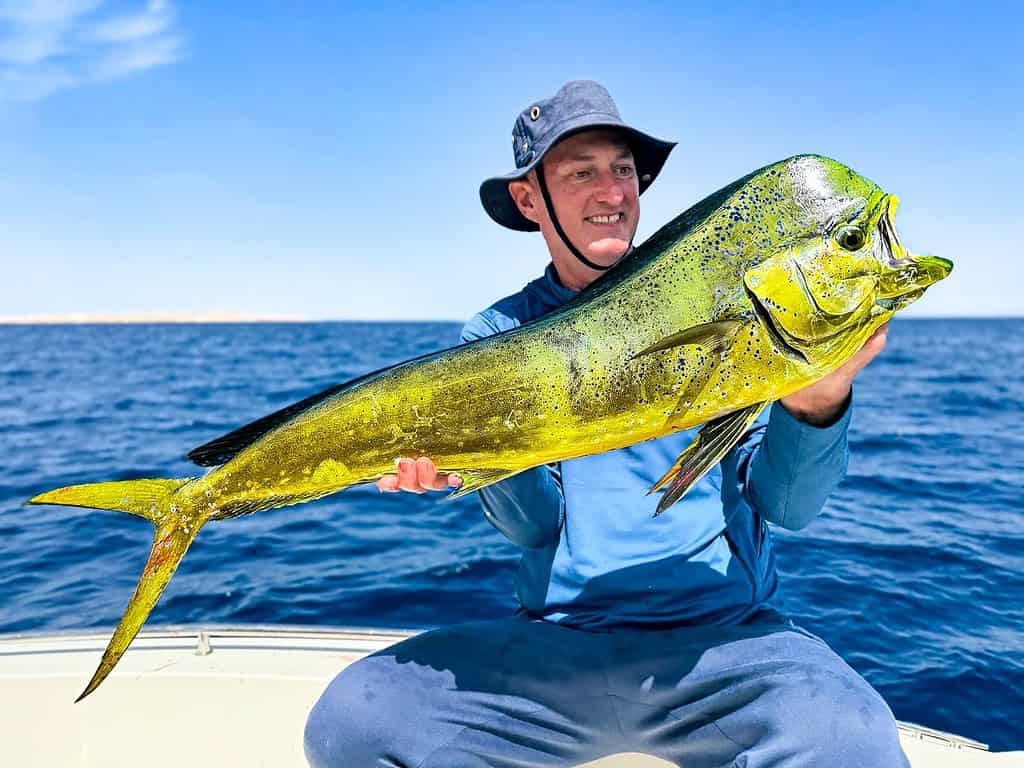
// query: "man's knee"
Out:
[836,718]
[816,711]
[349,723]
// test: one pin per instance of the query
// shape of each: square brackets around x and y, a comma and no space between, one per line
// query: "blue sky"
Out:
[245,157]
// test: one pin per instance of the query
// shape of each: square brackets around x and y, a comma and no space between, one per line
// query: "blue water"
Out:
[914,573]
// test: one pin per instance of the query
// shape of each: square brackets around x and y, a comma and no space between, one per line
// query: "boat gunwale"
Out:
[162,637]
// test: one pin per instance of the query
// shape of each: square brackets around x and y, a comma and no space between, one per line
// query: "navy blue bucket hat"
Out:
[578,106]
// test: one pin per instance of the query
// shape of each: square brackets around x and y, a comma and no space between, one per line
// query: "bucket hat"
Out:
[578,105]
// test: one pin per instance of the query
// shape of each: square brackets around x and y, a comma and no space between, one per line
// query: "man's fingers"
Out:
[417,477]
[427,477]
[430,479]
[407,476]
[388,484]
[879,336]
[871,349]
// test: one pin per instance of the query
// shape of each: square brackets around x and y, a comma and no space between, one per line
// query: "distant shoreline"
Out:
[170,318]
[84,318]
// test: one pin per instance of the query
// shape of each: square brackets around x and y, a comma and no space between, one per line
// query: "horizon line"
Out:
[231,318]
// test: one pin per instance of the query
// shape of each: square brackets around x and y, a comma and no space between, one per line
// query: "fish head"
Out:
[841,270]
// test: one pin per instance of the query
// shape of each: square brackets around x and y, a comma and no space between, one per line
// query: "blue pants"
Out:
[520,692]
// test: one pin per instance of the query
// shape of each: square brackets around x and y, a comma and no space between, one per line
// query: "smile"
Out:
[611,218]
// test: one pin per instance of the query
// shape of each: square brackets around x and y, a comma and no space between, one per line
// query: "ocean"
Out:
[914,573]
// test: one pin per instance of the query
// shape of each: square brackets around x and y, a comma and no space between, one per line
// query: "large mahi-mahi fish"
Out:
[753,293]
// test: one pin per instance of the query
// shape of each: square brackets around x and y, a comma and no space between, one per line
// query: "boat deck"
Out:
[234,696]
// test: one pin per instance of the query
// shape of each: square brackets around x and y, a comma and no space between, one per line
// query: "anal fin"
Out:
[475,479]
[712,443]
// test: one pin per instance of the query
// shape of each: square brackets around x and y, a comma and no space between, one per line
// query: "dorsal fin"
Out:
[226,447]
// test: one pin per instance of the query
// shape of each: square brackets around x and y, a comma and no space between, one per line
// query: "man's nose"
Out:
[611,190]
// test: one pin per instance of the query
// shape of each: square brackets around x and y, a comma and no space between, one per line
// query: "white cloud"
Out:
[137,55]
[51,45]
[31,47]
[43,12]
[153,20]
[38,84]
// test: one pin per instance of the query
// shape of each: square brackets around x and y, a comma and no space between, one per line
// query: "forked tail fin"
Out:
[175,530]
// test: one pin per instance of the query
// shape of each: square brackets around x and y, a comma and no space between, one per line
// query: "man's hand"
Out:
[820,403]
[418,477]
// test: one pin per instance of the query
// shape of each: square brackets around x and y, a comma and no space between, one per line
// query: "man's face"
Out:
[593,184]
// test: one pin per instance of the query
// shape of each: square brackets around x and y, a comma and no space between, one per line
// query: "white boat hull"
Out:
[235,696]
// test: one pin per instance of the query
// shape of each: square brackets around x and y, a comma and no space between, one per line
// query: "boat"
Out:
[204,696]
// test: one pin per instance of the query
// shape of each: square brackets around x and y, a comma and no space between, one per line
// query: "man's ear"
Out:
[526,198]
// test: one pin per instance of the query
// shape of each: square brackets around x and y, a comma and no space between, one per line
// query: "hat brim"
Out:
[649,154]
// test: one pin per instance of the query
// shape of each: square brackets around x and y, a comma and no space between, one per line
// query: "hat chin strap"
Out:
[561,232]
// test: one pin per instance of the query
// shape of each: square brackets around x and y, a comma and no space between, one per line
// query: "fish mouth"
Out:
[905,275]
[892,249]
[896,303]
[908,282]
[777,334]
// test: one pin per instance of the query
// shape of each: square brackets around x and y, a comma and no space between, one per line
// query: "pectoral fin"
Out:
[714,335]
[712,443]
[475,479]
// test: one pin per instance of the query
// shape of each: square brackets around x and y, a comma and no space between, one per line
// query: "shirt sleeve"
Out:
[791,467]
[527,508]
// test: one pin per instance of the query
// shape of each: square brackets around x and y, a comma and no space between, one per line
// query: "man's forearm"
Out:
[797,465]
[527,508]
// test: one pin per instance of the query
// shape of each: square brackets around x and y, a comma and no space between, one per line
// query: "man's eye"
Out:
[581,175]
[625,171]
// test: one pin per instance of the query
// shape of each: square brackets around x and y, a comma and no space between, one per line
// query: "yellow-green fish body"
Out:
[755,292]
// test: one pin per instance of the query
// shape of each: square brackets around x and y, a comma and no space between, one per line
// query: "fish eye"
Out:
[851,238]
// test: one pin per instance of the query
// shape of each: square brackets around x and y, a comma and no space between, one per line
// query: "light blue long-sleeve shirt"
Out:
[593,555]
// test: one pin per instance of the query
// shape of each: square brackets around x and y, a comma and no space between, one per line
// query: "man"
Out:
[635,634]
